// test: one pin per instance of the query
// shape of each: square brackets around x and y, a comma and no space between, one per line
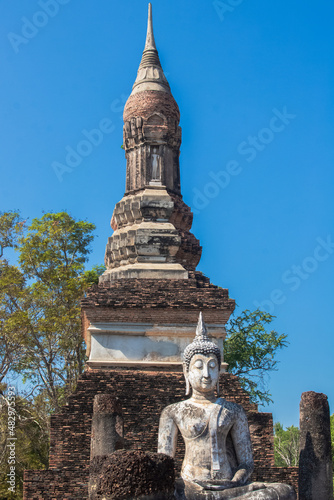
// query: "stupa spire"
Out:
[150,42]
[150,74]
[150,55]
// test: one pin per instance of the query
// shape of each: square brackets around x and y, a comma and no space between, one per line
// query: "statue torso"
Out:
[204,428]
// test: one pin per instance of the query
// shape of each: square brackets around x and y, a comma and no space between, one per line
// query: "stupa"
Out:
[151,257]
[137,321]
[151,223]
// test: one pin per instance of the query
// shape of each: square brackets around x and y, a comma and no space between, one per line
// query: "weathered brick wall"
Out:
[158,300]
[55,484]
[143,395]
[287,475]
[186,295]
[107,314]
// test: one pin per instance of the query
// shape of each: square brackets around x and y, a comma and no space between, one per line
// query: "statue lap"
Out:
[254,491]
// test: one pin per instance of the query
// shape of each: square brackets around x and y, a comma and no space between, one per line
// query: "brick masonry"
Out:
[162,295]
[145,104]
[157,301]
[143,395]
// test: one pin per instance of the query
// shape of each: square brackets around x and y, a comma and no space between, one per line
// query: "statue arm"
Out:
[167,433]
[243,448]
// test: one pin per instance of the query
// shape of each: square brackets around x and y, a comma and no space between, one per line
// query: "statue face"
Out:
[203,372]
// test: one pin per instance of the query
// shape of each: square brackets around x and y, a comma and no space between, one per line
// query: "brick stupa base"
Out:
[143,395]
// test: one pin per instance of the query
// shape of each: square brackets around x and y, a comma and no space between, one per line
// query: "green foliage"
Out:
[250,351]
[55,243]
[12,315]
[40,330]
[11,226]
[91,277]
[31,445]
[52,256]
[332,434]
[286,445]
[40,303]
[332,439]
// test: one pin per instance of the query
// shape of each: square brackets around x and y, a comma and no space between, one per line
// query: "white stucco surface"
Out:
[143,342]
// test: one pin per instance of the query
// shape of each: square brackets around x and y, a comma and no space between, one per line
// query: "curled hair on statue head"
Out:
[205,348]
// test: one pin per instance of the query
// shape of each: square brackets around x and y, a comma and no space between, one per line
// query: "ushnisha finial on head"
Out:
[201,344]
[201,330]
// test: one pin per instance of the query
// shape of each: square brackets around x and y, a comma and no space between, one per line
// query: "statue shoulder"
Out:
[232,407]
[173,409]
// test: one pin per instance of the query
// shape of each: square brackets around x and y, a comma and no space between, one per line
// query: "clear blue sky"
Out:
[254,83]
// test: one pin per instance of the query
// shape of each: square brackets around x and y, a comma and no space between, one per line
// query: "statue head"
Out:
[201,361]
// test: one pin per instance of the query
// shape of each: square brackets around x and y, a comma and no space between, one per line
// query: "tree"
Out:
[91,277]
[286,445]
[40,331]
[250,350]
[12,285]
[52,256]
[31,445]
[11,226]
[332,439]
[12,294]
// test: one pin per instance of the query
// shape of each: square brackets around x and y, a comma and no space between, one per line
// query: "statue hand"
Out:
[218,484]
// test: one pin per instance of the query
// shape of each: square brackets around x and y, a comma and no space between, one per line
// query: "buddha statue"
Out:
[218,459]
